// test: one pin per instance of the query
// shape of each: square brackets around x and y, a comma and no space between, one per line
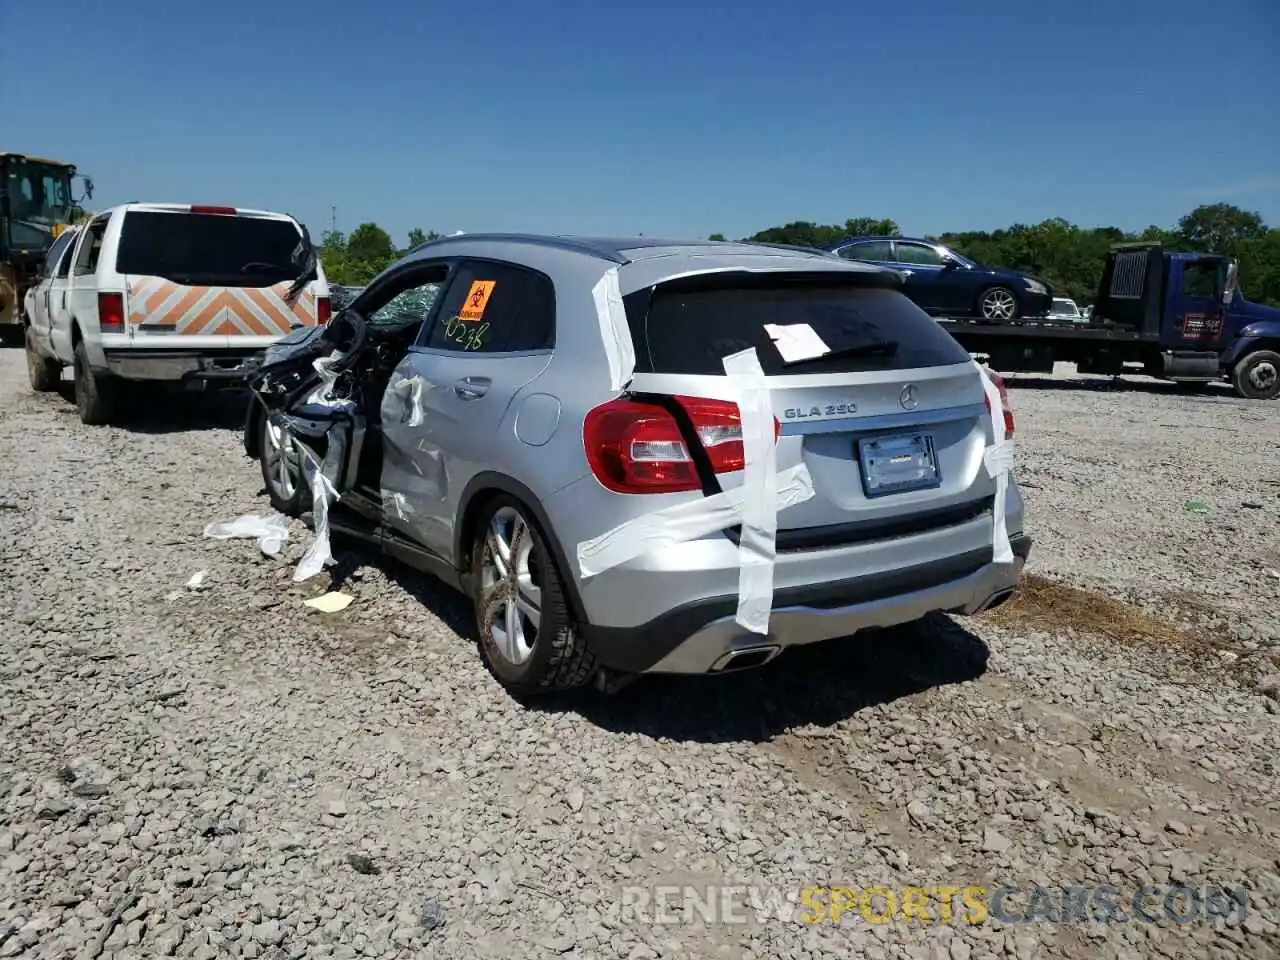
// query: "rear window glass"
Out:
[204,248]
[692,329]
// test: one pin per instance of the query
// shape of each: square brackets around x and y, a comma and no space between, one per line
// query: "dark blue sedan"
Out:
[944,283]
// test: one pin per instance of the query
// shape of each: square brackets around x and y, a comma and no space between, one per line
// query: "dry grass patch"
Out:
[1044,604]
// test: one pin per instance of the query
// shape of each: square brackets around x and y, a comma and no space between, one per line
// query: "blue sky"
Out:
[659,117]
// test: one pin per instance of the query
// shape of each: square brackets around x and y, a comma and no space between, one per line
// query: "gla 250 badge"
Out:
[830,410]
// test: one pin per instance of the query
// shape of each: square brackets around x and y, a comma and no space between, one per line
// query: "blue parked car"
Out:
[944,283]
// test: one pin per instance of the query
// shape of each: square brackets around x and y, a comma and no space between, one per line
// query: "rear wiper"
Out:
[877,348]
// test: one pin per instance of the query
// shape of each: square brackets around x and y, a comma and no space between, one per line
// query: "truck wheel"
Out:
[94,392]
[44,374]
[1257,376]
[527,636]
[998,303]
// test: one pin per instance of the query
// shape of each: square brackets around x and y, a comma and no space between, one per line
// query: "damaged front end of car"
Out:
[306,427]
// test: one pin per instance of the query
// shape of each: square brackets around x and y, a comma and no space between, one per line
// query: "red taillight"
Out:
[1004,403]
[223,211]
[636,447]
[111,312]
[322,311]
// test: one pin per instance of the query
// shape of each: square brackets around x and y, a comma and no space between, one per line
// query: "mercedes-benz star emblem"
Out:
[909,397]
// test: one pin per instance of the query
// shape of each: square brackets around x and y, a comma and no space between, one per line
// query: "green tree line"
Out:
[1071,257]
[1068,256]
[352,261]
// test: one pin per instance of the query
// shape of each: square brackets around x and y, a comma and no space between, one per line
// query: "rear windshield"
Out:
[691,327]
[205,248]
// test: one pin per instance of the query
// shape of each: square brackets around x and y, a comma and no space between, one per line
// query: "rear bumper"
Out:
[230,366]
[701,636]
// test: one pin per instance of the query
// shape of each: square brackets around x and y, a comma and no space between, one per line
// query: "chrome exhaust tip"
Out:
[745,658]
[997,600]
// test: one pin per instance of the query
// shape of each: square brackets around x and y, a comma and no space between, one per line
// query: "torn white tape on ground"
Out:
[271,531]
[998,460]
[683,522]
[757,545]
[320,478]
[614,330]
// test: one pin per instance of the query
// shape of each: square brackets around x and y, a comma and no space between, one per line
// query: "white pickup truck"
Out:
[149,291]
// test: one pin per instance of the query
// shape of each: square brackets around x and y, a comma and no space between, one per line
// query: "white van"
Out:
[157,291]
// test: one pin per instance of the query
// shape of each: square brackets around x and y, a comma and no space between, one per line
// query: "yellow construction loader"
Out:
[36,205]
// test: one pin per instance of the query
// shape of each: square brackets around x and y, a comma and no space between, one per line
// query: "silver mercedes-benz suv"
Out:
[475,428]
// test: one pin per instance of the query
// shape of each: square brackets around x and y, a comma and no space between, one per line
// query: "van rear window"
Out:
[690,327]
[205,248]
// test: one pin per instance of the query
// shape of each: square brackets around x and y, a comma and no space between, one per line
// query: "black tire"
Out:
[985,304]
[44,374]
[1257,375]
[559,658]
[291,504]
[95,392]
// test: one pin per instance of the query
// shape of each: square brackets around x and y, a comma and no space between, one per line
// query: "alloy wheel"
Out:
[510,591]
[999,304]
[281,459]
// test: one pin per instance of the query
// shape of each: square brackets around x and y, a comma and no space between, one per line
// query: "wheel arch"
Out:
[1244,348]
[482,488]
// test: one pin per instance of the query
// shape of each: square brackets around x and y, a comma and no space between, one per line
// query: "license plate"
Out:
[898,463]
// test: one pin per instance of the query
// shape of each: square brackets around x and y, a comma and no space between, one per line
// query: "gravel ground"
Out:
[222,772]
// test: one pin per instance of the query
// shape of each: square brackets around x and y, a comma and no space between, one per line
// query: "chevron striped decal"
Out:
[218,311]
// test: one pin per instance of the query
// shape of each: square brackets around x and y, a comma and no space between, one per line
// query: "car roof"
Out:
[186,208]
[620,250]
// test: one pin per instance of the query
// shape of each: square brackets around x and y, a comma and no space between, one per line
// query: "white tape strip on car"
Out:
[412,389]
[664,529]
[319,478]
[998,460]
[757,546]
[614,329]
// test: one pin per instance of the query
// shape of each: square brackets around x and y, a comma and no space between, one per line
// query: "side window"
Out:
[869,250]
[55,253]
[68,257]
[920,253]
[495,308]
[1200,278]
[406,298]
[90,248]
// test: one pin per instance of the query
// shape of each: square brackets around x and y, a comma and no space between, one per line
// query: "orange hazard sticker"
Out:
[477,299]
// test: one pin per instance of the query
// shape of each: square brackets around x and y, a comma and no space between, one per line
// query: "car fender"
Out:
[1259,335]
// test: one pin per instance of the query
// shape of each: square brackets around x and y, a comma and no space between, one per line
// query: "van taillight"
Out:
[322,311]
[224,211]
[1004,402]
[636,447]
[111,312]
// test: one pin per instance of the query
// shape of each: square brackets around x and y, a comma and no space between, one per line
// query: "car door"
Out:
[59,306]
[927,280]
[492,333]
[53,299]
[82,285]
[1198,308]
[39,303]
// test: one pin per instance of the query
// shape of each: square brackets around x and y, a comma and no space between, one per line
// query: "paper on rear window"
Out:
[691,328]
[212,249]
